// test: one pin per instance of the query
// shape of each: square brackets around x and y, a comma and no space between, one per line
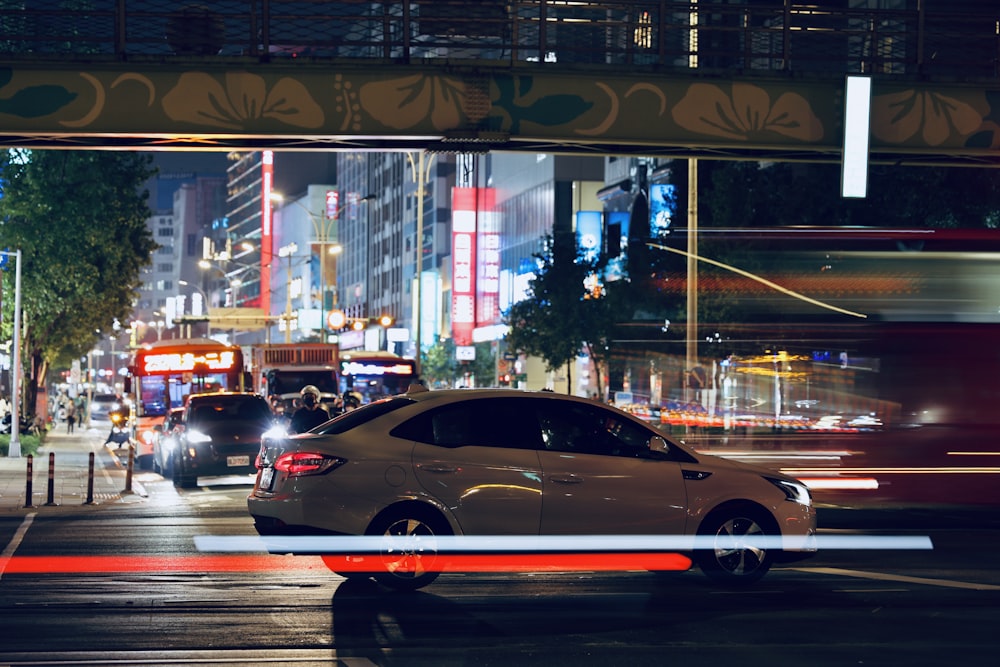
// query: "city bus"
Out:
[375,375]
[164,373]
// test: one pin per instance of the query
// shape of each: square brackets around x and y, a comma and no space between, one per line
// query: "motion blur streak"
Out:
[799,472]
[821,483]
[898,577]
[551,546]
[255,562]
[116,564]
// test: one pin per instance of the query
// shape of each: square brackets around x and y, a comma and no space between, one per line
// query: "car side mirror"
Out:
[659,444]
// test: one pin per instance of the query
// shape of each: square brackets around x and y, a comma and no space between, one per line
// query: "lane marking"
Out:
[841,572]
[15,541]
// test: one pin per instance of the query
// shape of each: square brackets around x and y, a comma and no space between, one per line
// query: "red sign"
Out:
[182,362]
[266,247]
[488,254]
[332,204]
[463,264]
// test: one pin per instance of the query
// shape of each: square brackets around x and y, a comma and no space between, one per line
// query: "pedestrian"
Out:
[70,416]
[311,414]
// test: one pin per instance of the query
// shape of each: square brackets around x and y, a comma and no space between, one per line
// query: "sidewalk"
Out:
[71,486]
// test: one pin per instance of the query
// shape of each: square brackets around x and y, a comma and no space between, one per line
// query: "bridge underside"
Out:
[457,108]
[755,80]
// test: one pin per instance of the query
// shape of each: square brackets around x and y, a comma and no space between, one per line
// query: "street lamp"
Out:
[421,168]
[206,265]
[204,297]
[324,228]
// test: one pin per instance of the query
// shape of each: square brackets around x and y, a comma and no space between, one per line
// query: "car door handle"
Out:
[437,467]
[566,479]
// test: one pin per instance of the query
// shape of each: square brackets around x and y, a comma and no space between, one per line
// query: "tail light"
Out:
[301,464]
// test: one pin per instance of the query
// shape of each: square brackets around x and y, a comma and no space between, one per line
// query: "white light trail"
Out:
[362,544]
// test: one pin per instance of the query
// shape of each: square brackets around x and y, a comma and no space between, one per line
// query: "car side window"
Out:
[497,422]
[586,429]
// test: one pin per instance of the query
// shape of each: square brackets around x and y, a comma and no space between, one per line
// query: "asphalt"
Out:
[61,475]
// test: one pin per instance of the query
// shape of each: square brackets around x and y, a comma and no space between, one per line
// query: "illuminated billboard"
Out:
[662,208]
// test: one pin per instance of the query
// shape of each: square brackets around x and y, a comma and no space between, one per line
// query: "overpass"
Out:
[757,79]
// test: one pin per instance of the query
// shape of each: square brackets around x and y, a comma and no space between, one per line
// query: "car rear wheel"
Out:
[409,557]
[736,555]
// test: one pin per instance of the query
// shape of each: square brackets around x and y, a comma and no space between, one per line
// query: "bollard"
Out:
[50,497]
[90,480]
[128,469]
[27,485]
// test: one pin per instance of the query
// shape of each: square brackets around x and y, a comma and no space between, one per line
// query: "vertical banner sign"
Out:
[463,262]
[662,208]
[266,239]
[589,237]
[488,254]
[617,245]
[857,130]
[332,204]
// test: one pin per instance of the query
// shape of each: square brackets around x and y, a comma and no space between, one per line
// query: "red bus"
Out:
[164,373]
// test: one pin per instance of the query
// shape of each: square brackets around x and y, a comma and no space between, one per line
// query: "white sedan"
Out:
[430,475]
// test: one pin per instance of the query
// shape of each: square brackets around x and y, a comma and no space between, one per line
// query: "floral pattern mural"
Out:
[237,100]
[743,112]
[409,102]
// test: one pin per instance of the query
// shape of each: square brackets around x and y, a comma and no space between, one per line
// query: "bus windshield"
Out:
[166,372]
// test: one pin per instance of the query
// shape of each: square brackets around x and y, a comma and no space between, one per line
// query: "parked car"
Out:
[220,435]
[165,442]
[494,462]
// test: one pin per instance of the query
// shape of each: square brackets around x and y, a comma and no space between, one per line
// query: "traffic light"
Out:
[337,320]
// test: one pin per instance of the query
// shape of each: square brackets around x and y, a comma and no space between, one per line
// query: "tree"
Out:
[438,363]
[562,315]
[441,367]
[79,218]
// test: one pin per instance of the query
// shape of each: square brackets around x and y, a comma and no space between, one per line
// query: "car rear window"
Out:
[230,408]
[362,415]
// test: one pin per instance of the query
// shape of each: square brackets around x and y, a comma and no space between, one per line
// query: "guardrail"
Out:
[947,38]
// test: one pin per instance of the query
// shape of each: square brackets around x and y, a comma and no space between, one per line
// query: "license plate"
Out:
[266,477]
[234,461]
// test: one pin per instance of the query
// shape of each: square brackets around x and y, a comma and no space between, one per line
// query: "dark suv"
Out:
[220,435]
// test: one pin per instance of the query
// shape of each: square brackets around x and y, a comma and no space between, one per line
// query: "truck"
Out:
[281,370]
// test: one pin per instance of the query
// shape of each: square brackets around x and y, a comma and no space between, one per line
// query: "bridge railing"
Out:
[948,38]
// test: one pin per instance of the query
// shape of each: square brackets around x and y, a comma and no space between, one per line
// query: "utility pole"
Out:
[14,451]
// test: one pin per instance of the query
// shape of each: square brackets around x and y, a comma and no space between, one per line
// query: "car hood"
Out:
[721,463]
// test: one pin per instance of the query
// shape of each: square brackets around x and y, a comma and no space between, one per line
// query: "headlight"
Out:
[275,432]
[198,436]
[797,492]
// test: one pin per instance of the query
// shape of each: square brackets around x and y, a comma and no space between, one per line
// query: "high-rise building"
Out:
[377,269]
[186,195]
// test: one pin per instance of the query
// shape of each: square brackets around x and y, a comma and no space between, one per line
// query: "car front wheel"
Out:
[735,554]
[181,479]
